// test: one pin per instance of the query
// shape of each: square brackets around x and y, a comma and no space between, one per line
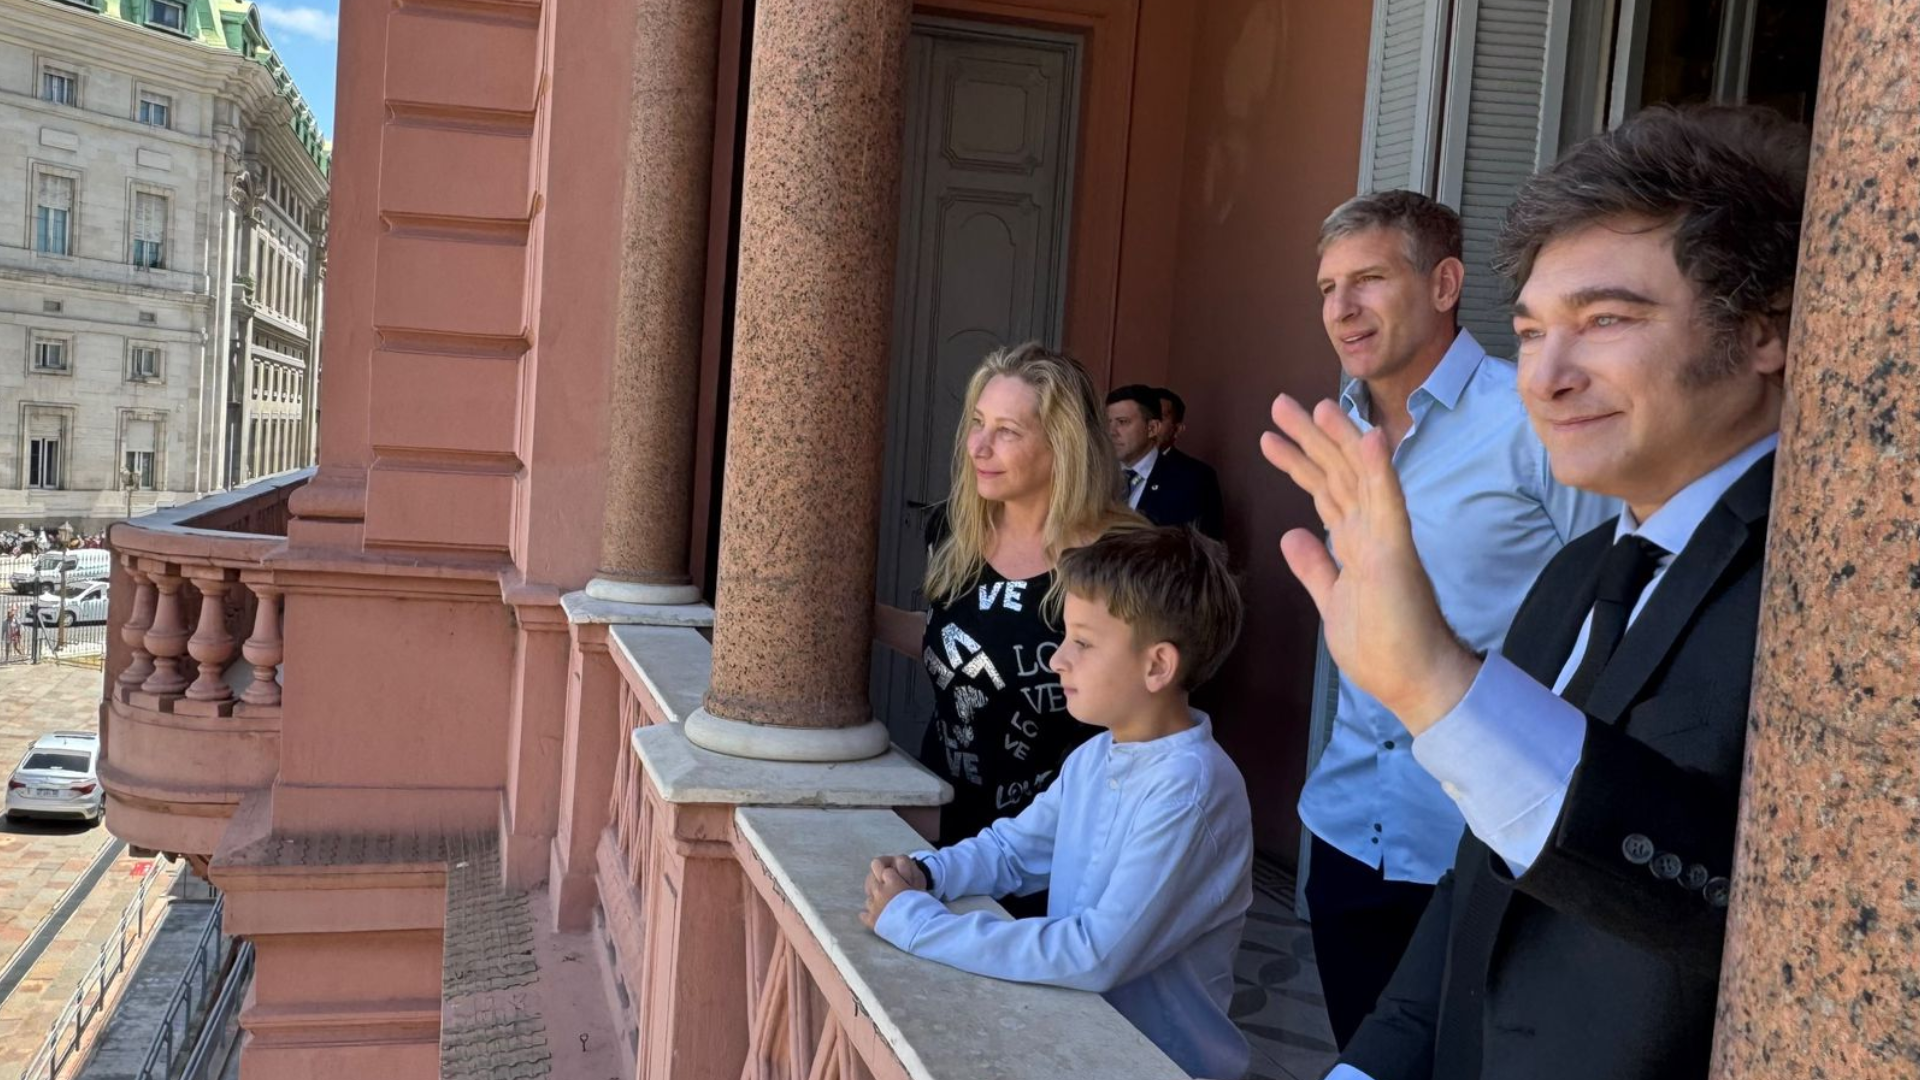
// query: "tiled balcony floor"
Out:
[1277,998]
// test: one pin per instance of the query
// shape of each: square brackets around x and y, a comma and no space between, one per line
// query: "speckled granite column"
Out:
[1822,971]
[656,366]
[798,527]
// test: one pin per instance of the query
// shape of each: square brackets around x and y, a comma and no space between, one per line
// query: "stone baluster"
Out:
[212,643]
[263,647]
[166,639]
[134,633]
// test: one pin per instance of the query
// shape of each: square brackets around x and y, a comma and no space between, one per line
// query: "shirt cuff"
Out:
[1346,1072]
[1505,755]
[900,921]
[932,861]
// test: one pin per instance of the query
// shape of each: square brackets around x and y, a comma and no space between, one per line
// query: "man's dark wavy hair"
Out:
[1732,180]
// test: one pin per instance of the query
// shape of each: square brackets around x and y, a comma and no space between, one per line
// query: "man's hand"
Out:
[1382,623]
[884,882]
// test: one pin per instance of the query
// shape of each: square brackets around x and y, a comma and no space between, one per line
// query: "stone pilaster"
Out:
[656,368]
[819,213]
[1819,978]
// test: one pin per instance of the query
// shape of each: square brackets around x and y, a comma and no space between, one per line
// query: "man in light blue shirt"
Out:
[1487,515]
[1145,840]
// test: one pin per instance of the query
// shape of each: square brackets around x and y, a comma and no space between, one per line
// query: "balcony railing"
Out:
[731,892]
[194,650]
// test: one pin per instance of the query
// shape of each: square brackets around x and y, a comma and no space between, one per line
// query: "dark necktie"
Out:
[1630,564]
[1133,480]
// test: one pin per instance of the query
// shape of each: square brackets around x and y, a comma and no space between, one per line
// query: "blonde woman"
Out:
[1033,475]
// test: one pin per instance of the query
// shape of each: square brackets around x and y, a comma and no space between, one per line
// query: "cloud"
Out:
[302,21]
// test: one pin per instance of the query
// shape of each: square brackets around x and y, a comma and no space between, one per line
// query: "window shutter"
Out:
[1396,142]
[1502,124]
[140,435]
[56,192]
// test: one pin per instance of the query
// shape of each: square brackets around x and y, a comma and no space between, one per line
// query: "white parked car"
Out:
[85,604]
[57,779]
[82,564]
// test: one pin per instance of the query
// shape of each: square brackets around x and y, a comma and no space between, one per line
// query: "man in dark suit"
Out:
[1173,424]
[1597,762]
[1167,489]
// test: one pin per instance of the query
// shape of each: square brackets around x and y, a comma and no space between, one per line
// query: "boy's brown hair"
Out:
[1166,584]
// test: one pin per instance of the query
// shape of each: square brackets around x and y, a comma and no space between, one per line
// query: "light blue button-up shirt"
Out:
[1147,849]
[1487,515]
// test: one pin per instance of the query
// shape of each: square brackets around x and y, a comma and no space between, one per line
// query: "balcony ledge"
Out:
[940,1022]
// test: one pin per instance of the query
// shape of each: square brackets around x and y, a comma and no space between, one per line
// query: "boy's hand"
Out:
[903,865]
[883,884]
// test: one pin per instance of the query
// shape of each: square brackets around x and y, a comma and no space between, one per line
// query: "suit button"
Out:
[1716,892]
[1666,866]
[1695,876]
[1638,849]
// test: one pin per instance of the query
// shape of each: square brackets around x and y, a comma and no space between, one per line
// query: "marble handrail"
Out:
[827,994]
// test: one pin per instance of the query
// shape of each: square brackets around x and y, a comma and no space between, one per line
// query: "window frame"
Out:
[35,462]
[147,480]
[71,76]
[134,349]
[158,261]
[143,98]
[38,339]
[172,5]
[33,417]
[158,466]
[70,232]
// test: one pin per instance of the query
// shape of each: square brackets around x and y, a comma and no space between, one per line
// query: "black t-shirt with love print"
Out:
[1000,728]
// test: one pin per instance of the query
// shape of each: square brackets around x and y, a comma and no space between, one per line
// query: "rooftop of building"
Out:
[233,25]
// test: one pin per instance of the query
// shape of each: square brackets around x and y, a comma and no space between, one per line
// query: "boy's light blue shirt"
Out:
[1147,849]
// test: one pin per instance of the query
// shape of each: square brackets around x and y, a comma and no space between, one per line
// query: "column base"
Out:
[771,742]
[641,592]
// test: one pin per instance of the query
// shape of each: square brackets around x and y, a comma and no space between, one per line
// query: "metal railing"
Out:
[207,1061]
[89,998]
[187,1006]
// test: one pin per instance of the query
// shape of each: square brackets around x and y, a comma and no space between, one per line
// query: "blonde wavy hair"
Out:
[1084,501]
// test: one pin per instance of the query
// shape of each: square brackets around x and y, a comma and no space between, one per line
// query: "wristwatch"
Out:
[925,871]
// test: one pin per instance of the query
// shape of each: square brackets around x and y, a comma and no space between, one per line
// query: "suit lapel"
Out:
[1737,521]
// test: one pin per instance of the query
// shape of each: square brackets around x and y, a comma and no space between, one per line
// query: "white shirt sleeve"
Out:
[1505,755]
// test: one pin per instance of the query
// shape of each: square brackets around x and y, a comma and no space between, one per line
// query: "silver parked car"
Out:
[57,778]
[85,604]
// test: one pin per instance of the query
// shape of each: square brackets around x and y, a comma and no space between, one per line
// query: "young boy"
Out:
[1145,839]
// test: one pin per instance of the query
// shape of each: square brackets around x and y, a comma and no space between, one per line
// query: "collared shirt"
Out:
[1507,751]
[1142,468]
[1487,515]
[1147,850]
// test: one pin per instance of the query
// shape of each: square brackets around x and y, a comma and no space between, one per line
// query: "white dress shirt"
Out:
[1507,751]
[1143,467]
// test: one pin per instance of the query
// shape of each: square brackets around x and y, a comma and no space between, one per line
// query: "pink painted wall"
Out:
[1273,143]
[465,397]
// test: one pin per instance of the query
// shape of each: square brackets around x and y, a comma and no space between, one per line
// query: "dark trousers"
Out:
[1361,924]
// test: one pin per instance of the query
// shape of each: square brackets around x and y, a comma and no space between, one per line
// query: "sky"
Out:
[306,32]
